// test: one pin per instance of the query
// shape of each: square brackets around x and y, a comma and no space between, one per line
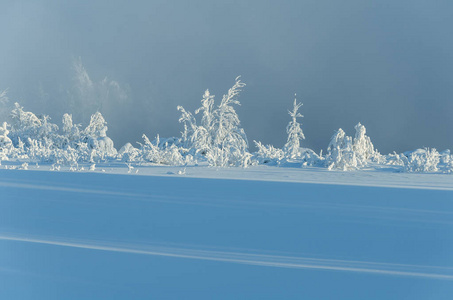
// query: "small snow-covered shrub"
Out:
[268,154]
[394,159]
[446,161]
[421,160]
[310,158]
[167,155]
[128,153]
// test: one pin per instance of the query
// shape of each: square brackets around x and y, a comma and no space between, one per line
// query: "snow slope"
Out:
[205,233]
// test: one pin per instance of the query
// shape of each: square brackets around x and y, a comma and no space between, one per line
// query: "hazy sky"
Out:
[386,64]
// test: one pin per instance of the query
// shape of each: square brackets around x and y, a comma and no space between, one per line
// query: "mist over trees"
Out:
[211,136]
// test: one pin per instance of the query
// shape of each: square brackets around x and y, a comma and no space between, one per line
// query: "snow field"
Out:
[88,235]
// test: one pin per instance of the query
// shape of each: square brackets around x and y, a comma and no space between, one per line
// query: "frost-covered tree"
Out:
[190,127]
[219,137]
[340,153]
[96,135]
[47,130]
[295,133]
[206,109]
[23,119]
[5,142]
[27,126]
[362,146]
[230,141]
[35,137]
[199,137]
[70,130]
[291,154]
[97,127]
[68,126]
[71,133]
[345,153]
[203,136]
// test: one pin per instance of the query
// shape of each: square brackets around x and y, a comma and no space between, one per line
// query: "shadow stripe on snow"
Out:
[429,272]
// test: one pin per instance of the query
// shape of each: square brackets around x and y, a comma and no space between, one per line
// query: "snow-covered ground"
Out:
[377,177]
[224,233]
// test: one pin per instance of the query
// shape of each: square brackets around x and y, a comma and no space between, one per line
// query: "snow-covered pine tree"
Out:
[95,135]
[362,146]
[294,131]
[97,127]
[340,153]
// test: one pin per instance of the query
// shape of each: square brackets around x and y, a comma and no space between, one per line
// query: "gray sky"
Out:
[386,64]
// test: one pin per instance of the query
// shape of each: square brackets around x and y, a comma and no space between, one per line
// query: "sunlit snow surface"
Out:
[207,233]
